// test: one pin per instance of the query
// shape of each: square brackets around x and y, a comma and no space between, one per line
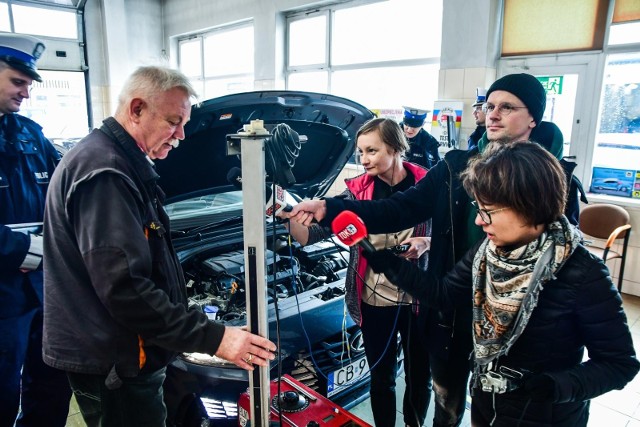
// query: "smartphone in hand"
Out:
[399,249]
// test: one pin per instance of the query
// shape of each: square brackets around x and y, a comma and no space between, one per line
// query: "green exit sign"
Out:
[552,84]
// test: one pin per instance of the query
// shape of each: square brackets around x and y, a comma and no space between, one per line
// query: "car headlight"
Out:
[206,360]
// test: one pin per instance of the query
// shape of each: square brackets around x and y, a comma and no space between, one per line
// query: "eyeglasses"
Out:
[503,109]
[478,108]
[485,215]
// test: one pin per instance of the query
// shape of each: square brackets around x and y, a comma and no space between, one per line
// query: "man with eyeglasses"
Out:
[478,114]
[514,108]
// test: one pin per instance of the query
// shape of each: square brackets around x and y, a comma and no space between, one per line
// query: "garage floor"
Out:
[614,409]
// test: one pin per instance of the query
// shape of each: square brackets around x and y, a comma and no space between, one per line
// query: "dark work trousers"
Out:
[45,390]
[137,402]
[379,334]
[450,369]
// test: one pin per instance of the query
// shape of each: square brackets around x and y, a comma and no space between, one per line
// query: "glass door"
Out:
[571,105]
[562,95]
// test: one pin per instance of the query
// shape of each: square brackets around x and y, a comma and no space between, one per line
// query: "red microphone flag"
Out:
[350,229]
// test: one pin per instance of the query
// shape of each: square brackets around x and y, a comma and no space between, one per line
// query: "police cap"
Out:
[481,97]
[414,117]
[21,53]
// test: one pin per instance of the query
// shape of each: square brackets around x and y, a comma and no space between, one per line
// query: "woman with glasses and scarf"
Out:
[537,296]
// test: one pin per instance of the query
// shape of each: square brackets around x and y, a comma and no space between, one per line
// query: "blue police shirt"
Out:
[27,161]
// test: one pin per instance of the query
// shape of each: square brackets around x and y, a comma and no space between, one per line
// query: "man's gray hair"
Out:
[149,82]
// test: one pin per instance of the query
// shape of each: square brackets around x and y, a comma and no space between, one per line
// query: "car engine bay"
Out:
[218,281]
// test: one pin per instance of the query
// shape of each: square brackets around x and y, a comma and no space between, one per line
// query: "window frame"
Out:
[329,11]
[587,111]
[200,82]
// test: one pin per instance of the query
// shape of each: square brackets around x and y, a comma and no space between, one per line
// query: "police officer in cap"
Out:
[478,114]
[27,160]
[423,148]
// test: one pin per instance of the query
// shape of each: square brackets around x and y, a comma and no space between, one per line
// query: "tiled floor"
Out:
[614,409]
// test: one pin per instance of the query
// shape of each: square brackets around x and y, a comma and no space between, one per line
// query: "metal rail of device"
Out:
[251,149]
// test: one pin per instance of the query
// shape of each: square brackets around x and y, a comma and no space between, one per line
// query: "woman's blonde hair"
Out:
[390,133]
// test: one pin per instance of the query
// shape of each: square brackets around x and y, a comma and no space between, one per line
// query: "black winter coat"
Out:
[580,309]
[441,197]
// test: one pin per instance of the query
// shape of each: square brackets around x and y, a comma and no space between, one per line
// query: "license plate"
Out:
[347,375]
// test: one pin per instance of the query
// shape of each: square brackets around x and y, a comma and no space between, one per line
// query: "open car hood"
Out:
[200,164]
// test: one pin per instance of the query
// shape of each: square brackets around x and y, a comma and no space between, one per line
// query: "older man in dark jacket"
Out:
[115,297]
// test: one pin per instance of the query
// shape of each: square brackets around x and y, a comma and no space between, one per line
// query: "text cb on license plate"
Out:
[347,375]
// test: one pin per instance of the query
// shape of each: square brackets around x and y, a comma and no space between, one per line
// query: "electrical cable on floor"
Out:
[315,364]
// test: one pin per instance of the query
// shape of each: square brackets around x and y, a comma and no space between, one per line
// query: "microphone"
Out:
[279,200]
[350,230]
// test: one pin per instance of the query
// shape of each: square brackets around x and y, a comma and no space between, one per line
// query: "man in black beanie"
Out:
[526,88]
[514,108]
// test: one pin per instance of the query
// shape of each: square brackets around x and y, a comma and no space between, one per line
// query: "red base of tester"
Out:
[301,407]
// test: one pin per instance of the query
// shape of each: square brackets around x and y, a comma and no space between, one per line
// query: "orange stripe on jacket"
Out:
[142,356]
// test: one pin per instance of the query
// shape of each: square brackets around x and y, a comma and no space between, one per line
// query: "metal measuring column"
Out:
[251,149]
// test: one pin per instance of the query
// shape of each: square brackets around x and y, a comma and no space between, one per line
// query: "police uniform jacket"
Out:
[475,136]
[27,160]
[423,149]
[115,296]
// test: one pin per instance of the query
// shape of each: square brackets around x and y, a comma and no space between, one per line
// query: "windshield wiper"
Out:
[207,227]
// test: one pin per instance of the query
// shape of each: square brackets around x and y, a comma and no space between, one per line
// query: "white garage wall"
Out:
[121,35]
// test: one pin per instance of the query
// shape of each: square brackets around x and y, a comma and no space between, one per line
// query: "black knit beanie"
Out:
[527,88]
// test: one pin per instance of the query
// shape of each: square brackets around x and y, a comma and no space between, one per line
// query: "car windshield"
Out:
[200,210]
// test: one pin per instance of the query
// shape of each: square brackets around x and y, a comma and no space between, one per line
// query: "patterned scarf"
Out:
[506,286]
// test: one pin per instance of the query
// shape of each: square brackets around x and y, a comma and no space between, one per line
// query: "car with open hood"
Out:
[320,345]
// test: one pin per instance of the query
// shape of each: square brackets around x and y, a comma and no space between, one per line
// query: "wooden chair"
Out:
[607,222]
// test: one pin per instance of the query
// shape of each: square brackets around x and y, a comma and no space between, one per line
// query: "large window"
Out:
[5,22]
[382,54]
[59,105]
[616,155]
[601,127]
[61,22]
[219,62]
[59,102]
[616,152]
[37,21]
